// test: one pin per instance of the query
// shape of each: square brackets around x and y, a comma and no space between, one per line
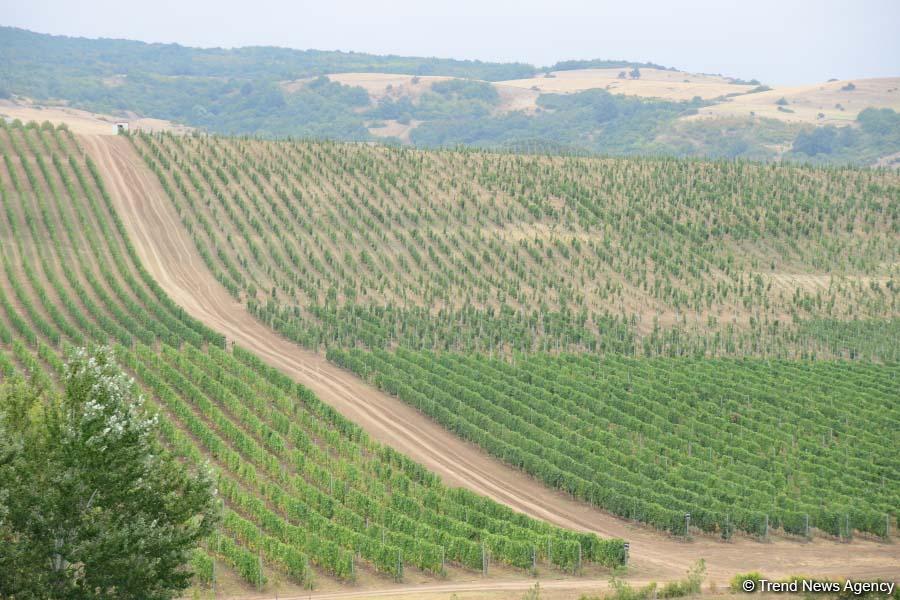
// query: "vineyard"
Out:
[740,445]
[305,493]
[590,322]
[338,245]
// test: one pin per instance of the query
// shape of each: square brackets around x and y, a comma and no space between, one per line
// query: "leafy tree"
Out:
[879,121]
[820,140]
[598,63]
[635,73]
[92,506]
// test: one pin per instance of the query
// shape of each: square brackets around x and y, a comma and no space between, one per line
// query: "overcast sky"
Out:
[777,41]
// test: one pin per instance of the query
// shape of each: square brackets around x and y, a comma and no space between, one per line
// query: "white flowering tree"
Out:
[90,504]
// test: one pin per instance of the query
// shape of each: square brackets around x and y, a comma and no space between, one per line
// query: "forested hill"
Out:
[40,55]
[599,106]
[244,91]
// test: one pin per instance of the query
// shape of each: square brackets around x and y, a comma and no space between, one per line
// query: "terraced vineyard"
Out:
[305,492]
[341,244]
[747,445]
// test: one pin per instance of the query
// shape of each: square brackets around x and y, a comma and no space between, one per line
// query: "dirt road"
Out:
[168,253]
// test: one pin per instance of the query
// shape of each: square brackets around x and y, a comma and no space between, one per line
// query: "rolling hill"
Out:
[341,244]
[315,496]
[573,107]
[307,495]
[164,241]
[445,327]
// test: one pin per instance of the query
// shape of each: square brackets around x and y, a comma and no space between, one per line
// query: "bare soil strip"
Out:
[169,254]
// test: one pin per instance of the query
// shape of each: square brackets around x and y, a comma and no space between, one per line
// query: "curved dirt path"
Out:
[169,254]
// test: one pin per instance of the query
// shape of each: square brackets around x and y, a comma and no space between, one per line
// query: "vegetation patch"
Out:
[711,445]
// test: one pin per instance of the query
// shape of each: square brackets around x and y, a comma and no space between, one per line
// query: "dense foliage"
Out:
[304,490]
[877,134]
[72,57]
[94,507]
[593,120]
[740,445]
[341,244]
[222,90]
[599,63]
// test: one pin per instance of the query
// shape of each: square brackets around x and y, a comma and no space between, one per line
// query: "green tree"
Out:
[90,505]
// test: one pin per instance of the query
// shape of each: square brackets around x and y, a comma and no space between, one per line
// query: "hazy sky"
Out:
[777,41]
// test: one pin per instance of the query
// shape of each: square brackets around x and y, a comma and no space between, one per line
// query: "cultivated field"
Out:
[307,495]
[740,446]
[341,244]
[448,373]
[171,256]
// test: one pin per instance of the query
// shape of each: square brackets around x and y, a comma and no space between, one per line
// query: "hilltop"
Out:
[606,107]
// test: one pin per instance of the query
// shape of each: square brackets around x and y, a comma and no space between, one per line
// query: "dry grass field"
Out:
[82,121]
[653,83]
[829,103]
[389,85]
[822,103]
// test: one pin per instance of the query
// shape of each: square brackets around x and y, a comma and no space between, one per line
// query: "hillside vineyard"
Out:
[344,244]
[304,491]
[572,316]
[741,445]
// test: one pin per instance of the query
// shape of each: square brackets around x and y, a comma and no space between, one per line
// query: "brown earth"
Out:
[169,254]
[653,83]
[82,121]
[820,104]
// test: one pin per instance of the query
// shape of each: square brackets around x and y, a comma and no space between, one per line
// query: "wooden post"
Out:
[579,557]
[533,559]
[483,561]
[766,531]
[259,575]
